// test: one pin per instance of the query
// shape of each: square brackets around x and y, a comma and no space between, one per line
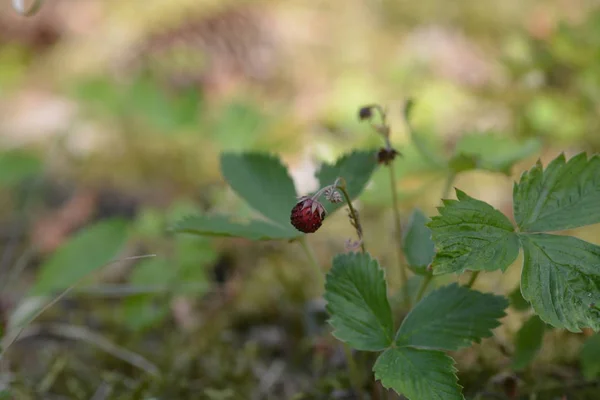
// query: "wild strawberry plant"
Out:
[560,274]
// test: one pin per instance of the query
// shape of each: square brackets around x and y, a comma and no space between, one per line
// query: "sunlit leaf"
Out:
[471,234]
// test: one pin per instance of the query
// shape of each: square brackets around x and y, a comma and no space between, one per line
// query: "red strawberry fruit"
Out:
[307,215]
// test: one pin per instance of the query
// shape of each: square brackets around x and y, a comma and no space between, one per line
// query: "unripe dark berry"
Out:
[307,215]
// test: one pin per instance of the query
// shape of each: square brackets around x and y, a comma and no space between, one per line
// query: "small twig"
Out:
[403,268]
[84,334]
[15,337]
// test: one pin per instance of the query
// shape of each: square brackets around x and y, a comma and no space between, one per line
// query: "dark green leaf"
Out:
[471,234]
[88,250]
[357,302]
[263,181]
[220,225]
[590,357]
[356,168]
[492,152]
[563,196]
[418,246]
[462,162]
[561,280]
[450,318]
[517,301]
[528,342]
[418,374]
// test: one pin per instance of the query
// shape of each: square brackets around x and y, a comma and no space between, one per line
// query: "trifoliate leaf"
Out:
[263,181]
[88,250]
[563,196]
[418,374]
[590,357]
[416,241]
[450,318]
[356,168]
[492,152]
[528,342]
[471,234]
[561,280]
[220,225]
[357,302]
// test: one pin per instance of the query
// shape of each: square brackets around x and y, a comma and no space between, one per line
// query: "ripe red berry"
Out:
[307,215]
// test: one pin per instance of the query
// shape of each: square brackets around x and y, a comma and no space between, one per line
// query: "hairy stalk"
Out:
[353,217]
[473,279]
[402,267]
[448,185]
[423,287]
[310,254]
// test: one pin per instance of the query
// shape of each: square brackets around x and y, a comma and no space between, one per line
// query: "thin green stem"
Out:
[473,279]
[354,217]
[353,372]
[448,185]
[317,272]
[402,267]
[445,193]
[423,287]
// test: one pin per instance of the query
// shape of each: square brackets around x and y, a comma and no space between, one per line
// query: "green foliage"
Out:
[590,357]
[471,234]
[357,302]
[561,280]
[417,244]
[93,247]
[517,301]
[450,318]
[560,276]
[15,166]
[264,183]
[220,225]
[491,152]
[418,374]
[356,168]
[528,342]
[565,195]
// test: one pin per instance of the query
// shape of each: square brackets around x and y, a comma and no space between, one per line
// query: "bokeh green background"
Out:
[113,115]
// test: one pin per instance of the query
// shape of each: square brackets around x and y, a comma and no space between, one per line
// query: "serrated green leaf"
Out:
[471,234]
[357,302]
[220,225]
[492,152]
[563,196]
[528,342]
[416,241]
[88,250]
[561,280]
[356,168]
[418,374]
[590,357]
[263,181]
[517,301]
[450,318]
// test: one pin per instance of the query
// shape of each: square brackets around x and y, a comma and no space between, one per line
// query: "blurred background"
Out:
[113,115]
